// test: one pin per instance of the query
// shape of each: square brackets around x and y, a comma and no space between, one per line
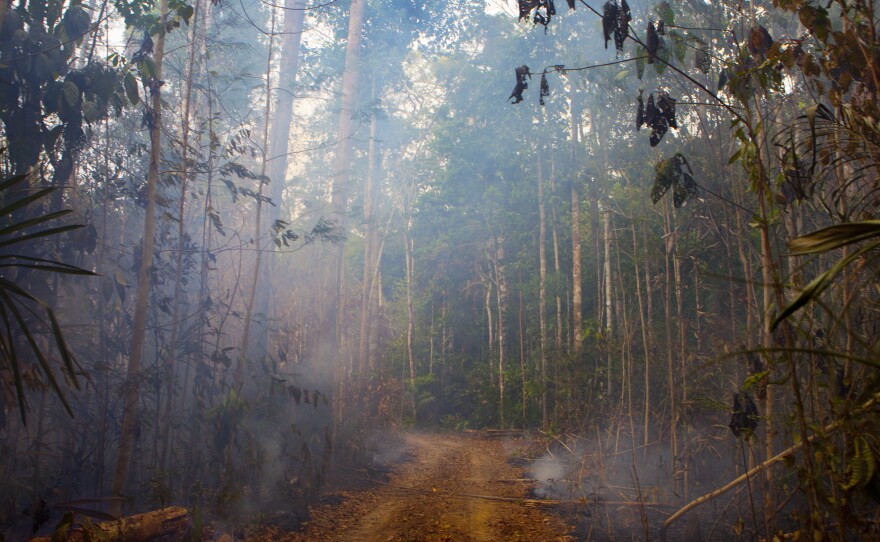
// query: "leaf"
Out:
[545,89]
[640,113]
[678,44]
[71,93]
[652,43]
[90,111]
[131,88]
[664,11]
[610,12]
[759,42]
[641,61]
[818,285]
[521,84]
[815,19]
[834,237]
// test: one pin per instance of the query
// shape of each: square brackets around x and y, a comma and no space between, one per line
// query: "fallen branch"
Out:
[552,502]
[757,469]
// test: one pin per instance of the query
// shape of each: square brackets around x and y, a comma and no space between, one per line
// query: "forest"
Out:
[257,255]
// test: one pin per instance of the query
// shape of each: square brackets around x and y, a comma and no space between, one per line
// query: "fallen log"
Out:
[171,524]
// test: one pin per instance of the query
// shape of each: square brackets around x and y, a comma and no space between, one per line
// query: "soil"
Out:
[443,493]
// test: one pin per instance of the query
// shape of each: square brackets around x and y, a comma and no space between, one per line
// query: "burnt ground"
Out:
[453,488]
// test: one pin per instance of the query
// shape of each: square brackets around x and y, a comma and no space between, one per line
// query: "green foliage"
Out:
[19,331]
[824,240]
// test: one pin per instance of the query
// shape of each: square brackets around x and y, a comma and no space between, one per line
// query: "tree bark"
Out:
[172,524]
[257,242]
[170,359]
[294,14]
[501,297]
[342,159]
[133,376]
[542,290]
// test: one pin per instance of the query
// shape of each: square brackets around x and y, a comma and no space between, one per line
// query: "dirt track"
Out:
[424,499]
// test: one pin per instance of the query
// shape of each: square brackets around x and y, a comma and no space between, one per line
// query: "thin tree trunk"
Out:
[577,296]
[243,354]
[542,290]
[576,292]
[556,267]
[369,244]
[133,376]
[670,358]
[342,161]
[645,344]
[294,14]
[501,298]
[522,359]
[608,302]
[408,255]
[170,360]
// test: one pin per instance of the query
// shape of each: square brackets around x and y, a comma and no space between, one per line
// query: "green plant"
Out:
[23,315]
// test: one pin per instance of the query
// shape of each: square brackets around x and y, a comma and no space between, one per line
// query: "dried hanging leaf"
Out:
[571,4]
[653,42]
[658,118]
[702,60]
[610,18]
[675,173]
[759,42]
[621,29]
[722,79]
[744,415]
[545,88]
[521,84]
[640,113]
[666,173]
[526,7]
[666,105]
[651,111]
[661,27]
[658,130]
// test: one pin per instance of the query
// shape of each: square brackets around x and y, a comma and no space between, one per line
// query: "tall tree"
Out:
[152,82]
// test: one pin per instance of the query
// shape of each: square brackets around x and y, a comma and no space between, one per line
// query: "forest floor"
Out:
[443,493]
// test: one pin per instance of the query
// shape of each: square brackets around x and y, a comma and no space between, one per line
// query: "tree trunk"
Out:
[542,290]
[408,261]
[369,246]
[257,243]
[669,239]
[577,296]
[342,160]
[170,360]
[576,293]
[294,14]
[501,297]
[608,302]
[172,524]
[133,376]
[645,343]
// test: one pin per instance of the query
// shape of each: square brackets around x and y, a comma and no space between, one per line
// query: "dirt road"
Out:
[432,498]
